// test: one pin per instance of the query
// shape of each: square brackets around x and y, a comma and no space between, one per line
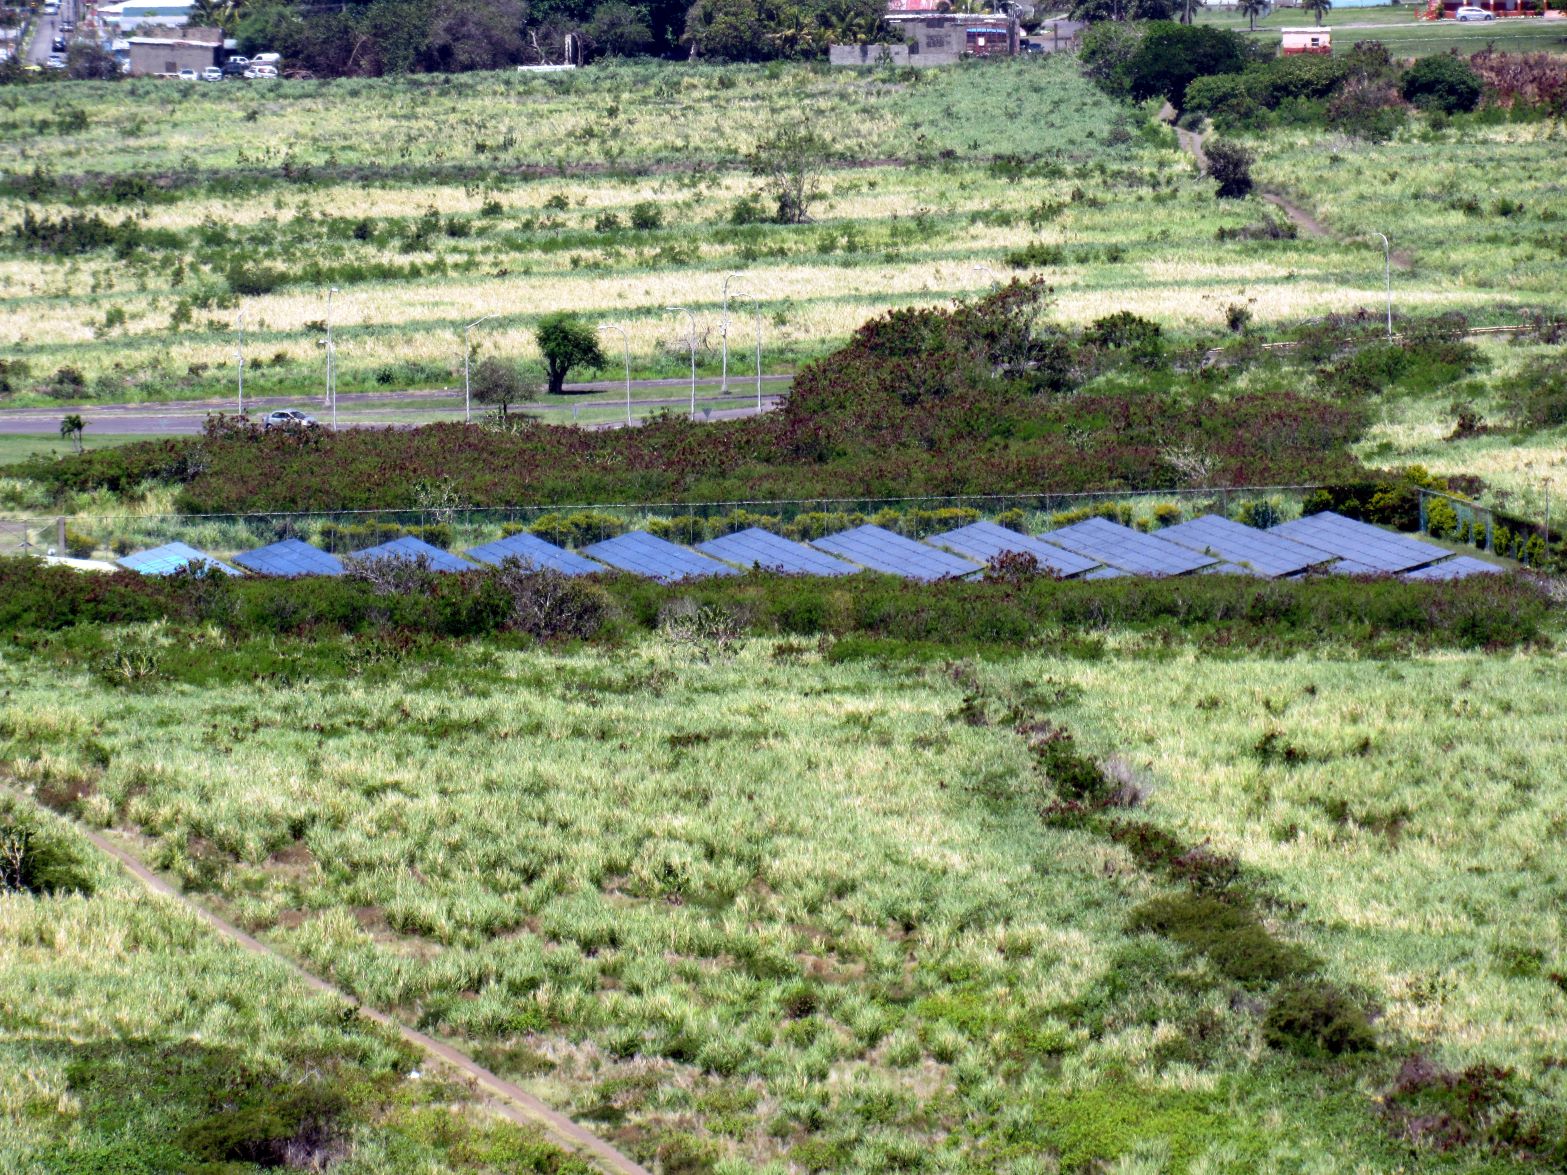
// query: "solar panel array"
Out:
[755,547]
[1127,549]
[1095,548]
[1360,542]
[1266,552]
[532,550]
[1460,568]
[171,558]
[290,558]
[409,547]
[882,550]
[985,541]
[644,554]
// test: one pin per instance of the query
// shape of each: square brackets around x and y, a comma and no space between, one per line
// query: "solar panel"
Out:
[1106,573]
[1350,567]
[1130,550]
[1231,569]
[409,547]
[290,558]
[1264,552]
[173,557]
[882,550]
[755,547]
[985,541]
[1460,568]
[1360,542]
[644,554]
[533,550]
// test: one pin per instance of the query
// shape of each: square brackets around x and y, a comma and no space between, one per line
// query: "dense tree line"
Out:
[373,37]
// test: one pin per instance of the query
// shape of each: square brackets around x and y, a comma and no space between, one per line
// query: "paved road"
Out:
[48,30]
[371,409]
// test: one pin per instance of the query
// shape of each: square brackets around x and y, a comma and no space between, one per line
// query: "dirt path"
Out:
[508,1100]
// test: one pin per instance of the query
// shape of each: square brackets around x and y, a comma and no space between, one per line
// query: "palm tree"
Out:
[1253,9]
[1320,7]
[1189,10]
[215,14]
[71,430]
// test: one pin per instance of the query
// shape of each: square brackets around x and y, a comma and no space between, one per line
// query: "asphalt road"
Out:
[48,30]
[368,409]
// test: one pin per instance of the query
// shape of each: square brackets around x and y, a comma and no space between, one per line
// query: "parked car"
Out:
[56,61]
[261,71]
[237,59]
[235,69]
[188,75]
[212,74]
[60,45]
[287,418]
[267,59]
[1473,12]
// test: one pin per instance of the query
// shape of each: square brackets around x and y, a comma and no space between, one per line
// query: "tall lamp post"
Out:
[626,339]
[987,270]
[756,309]
[692,340]
[1387,277]
[239,353]
[467,354]
[331,359]
[723,386]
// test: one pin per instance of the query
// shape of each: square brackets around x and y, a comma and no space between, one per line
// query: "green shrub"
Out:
[646,215]
[79,545]
[1167,514]
[1316,1019]
[1445,83]
[356,536]
[1228,934]
[688,528]
[35,858]
[577,528]
[1036,255]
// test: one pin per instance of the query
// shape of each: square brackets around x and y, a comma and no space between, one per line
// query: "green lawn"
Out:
[20,446]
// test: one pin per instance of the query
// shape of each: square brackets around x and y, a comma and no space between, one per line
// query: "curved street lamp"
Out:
[723,386]
[626,338]
[692,318]
[467,354]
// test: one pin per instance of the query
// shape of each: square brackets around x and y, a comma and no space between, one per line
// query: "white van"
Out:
[267,59]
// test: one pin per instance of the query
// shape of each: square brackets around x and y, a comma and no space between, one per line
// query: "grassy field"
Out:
[20,446]
[133,1040]
[423,233]
[751,907]
[1400,28]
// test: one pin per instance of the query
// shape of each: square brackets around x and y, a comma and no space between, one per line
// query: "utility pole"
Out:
[625,338]
[723,387]
[1387,275]
[467,353]
[331,359]
[692,340]
[239,351]
[756,309]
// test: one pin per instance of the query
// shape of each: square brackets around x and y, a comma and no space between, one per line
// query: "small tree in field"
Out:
[566,341]
[502,384]
[71,430]
[792,163]
[1253,9]
[1320,7]
[1230,164]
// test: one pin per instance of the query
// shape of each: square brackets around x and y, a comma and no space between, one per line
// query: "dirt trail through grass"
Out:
[508,1100]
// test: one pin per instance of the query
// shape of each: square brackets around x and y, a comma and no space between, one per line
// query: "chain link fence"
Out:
[458,528]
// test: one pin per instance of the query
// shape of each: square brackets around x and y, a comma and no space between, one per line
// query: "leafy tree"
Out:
[725,30]
[792,162]
[270,25]
[1230,164]
[475,34]
[502,384]
[1445,82]
[1189,10]
[1252,9]
[566,342]
[71,430]
[1109,48]
[215,14]
[1170,56]
[619,29]
[86,61]
[1099,10]
[1320,7]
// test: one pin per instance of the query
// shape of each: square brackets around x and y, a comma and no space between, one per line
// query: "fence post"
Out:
[1424,527]
[59,536]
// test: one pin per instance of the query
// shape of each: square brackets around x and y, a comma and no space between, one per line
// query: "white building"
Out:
[136,14]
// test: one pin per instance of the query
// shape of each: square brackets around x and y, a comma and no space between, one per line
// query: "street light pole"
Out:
[239,351]
[331,359]
[626,338]
[723,386]
[692,317]
[467,353]
[756,309]
[1387,275]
